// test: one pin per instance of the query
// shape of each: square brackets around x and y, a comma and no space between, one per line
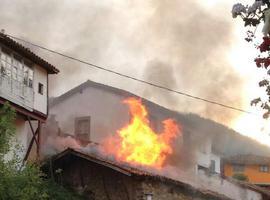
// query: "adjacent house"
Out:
[24,83]
[208,159]
[93,111]
[255,168]
[99,178]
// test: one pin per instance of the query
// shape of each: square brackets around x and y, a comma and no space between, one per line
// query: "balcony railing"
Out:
[16,92]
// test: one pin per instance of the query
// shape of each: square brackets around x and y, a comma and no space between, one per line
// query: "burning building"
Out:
[114,181]
[93,111]
[24,83]
[113,125]
[99,179]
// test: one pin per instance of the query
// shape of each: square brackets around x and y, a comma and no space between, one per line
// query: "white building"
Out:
[208,160]
[24,83]
[93,111]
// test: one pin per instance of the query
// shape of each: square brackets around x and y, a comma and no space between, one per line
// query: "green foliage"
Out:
[23,182]
[240,177]
[7,129]
[59,192]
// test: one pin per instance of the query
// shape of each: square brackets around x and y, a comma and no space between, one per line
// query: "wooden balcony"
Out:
[16,92]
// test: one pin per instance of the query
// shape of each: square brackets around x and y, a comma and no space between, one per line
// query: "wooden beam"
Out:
[38,140]
[20,110]
[31,144]
[32,129]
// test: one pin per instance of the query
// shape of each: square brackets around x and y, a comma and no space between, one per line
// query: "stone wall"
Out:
[161,190]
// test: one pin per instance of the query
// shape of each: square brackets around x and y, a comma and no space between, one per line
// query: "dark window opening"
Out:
[82,128]
[264,168]
[40,88]
[238,168]
[201,168]
[212,167]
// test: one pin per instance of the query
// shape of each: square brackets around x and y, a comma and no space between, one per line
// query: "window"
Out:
[212,167]
[15,73]
[264,168]
[30,79]
[238,168]
[82,128]
[202,168]
[28,76]
[13,66]
[149,196]
[5,63]
[40,88]
[17,70]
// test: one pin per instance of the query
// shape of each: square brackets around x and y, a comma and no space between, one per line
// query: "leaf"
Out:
[266,115]
[255,101]
[263,83]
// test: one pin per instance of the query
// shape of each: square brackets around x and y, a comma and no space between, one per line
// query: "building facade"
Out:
[99,179]
[93,111]
[24,84]
[208,161]
[254,168]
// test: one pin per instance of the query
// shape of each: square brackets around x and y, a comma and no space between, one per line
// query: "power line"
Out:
[133,78]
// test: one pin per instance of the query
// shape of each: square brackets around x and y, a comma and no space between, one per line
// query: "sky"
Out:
[192,46]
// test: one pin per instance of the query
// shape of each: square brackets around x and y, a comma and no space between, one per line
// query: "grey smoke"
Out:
[194,43]
[176,43]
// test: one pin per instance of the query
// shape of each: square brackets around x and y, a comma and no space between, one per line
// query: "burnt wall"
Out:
[100,182]
[161,190]
[95,182]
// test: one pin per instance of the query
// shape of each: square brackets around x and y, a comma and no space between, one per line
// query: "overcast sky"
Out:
[185,45]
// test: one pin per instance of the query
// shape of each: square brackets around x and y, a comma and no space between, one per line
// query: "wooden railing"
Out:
[16,92]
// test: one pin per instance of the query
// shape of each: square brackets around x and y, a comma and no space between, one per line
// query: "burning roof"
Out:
[132,172]
[137,142]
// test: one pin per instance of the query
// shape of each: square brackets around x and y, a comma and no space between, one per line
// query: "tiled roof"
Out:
[248,160]
[131,171]
[250,186]
[23,51]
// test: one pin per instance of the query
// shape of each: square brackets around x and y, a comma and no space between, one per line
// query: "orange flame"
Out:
[138,143]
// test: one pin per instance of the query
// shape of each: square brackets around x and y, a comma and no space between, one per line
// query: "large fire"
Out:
[137,142]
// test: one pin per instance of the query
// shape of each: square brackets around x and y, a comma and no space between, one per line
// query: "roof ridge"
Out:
[130,170]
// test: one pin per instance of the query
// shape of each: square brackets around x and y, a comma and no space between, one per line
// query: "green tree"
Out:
[7,129]
[240,177]
[22,182]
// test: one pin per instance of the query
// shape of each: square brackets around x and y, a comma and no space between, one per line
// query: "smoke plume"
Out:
[178,44]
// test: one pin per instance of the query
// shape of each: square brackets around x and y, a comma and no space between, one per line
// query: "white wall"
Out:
[21,138]
[105,109]
[108,113]
[204,155]
[217,160]
[40,101]
[22,135]
[228,188]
